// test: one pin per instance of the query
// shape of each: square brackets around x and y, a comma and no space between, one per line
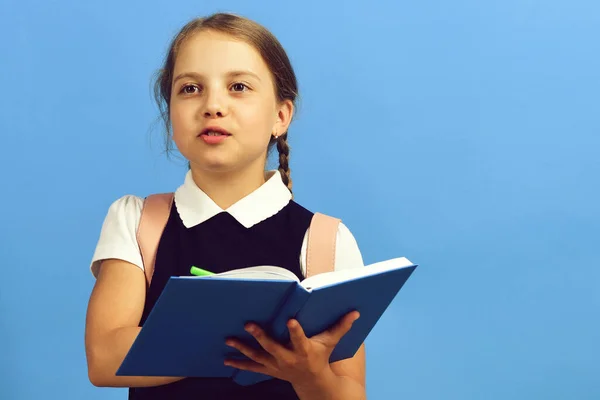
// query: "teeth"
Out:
[214,134]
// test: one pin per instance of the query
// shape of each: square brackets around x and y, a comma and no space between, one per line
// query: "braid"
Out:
[284,159]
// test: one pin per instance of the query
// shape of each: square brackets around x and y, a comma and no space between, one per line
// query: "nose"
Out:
[215,105]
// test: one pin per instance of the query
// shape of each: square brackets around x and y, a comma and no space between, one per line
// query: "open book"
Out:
[185,333]
[314,282]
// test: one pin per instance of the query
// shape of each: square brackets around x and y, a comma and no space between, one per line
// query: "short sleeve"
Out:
[347,252]
[118,235]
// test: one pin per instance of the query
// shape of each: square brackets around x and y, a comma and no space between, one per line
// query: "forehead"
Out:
[214,52]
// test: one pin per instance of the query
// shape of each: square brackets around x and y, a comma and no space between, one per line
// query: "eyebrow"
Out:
[231,74]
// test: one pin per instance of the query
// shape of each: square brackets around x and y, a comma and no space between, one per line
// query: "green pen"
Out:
[200,272]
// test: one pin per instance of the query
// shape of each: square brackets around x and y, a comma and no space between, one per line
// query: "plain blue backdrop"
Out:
[461,134]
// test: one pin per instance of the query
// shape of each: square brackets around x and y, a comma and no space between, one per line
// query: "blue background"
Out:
[463,135]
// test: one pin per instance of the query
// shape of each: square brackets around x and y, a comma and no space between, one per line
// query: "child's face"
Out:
[229,86]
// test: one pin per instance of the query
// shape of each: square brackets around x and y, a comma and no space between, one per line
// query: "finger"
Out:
[268,344]
[256,355]
[247,365]
[337,331]
[300,342]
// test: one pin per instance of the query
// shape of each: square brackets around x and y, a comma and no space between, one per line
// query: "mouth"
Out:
[213,135]
[214,132]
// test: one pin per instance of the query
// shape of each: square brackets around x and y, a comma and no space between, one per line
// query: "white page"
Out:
[260,272]
[328,278]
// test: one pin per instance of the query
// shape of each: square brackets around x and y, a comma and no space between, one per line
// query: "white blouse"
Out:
[118,234]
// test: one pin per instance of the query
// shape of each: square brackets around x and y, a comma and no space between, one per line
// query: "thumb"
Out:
[333,335]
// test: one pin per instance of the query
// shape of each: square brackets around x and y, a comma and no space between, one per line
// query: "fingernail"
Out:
[250,328]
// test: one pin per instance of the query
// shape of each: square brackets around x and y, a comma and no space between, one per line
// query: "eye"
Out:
[239,87]
[189,89]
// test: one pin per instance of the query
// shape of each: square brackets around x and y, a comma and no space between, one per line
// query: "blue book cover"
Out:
[184,334]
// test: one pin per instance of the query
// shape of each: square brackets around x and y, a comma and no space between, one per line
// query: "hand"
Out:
[302,362]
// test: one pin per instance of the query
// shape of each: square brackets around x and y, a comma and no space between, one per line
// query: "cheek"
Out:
[258,119]
[177,118]
[179,124]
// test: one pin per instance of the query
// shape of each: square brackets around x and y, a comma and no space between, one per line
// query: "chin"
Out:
[214,165]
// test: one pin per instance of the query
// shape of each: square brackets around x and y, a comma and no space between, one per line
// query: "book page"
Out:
[328,278]
[259,272]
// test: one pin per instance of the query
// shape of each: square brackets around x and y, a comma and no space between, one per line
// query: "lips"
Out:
[214,135]
[214,131]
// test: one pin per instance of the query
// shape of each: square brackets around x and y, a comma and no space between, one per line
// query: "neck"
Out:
[227,188]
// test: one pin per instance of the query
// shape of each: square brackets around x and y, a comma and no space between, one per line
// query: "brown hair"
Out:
[286,87]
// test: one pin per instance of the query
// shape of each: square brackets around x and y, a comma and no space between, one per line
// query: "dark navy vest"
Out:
[224,244]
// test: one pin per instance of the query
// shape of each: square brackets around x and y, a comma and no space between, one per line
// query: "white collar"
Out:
[194,206]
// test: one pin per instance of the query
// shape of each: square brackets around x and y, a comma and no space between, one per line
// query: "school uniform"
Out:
[266,227]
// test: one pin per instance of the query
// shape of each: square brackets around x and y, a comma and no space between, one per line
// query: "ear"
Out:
[285,113]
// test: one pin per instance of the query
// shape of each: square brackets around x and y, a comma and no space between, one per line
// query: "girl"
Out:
[226,93]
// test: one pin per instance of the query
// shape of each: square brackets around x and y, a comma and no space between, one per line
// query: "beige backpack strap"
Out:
[155,214]
[320,253]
